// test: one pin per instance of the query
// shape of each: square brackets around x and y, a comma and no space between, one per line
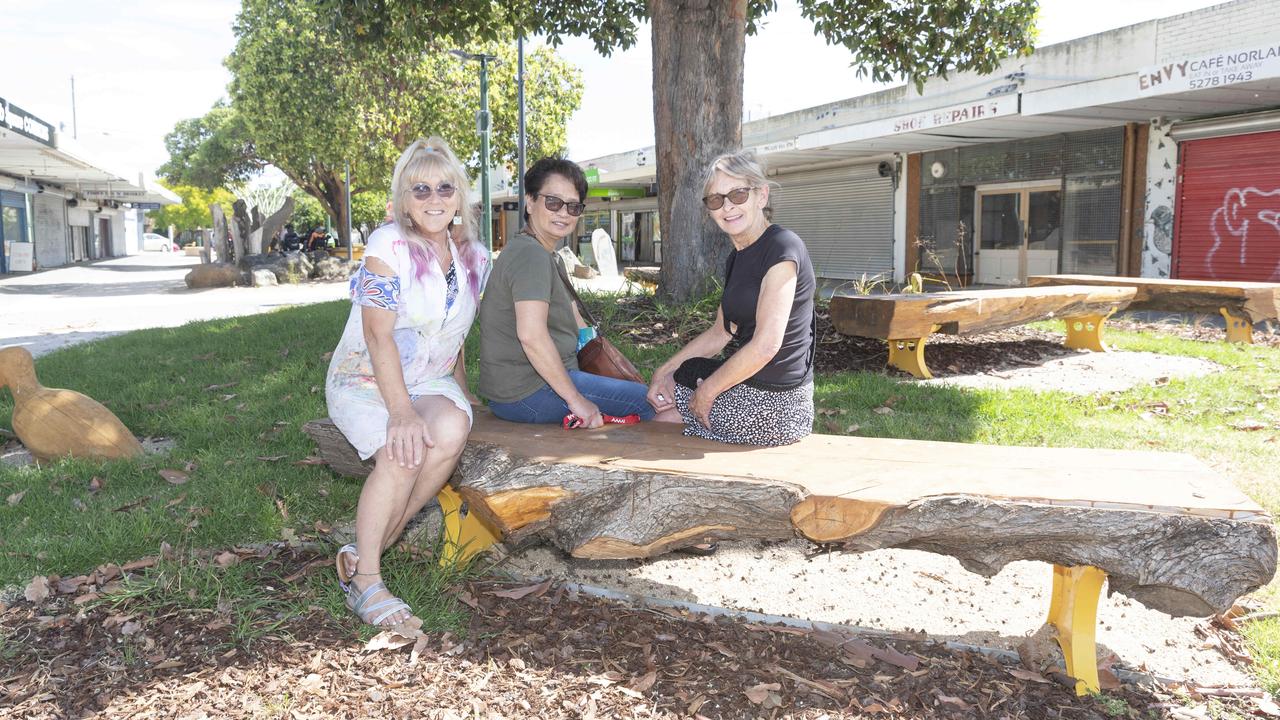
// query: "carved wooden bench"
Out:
[1241,304]
[1162,527]
[906,320]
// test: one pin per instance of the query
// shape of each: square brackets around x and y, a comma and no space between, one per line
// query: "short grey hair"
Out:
[741,164]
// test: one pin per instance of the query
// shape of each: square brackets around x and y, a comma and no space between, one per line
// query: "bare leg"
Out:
[449,428]
[385,493]
[670,415]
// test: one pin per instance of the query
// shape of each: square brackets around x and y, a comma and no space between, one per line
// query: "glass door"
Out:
[1019,233]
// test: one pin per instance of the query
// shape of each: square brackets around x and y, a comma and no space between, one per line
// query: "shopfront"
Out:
[995,213]
[14,228]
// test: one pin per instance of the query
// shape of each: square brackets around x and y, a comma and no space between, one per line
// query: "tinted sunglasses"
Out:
[553,204]
[422,191]
[737,196]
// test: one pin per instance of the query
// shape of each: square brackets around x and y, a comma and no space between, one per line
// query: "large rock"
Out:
[213,275]
[331,268]
[264,278]
[293,267]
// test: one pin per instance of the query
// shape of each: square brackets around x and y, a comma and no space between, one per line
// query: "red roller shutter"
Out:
[1227,224]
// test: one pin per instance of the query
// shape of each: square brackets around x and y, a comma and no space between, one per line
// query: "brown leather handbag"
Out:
[599,356]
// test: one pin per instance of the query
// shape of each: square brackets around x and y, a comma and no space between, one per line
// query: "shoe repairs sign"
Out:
[1210,70]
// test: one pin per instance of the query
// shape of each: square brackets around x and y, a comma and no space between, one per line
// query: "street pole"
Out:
[350,251]
[520,136]
[75,127]
[484,153]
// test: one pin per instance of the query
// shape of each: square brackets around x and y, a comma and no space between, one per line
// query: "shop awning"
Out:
[58,162]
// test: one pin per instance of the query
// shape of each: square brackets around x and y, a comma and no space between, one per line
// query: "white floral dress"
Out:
[433,314]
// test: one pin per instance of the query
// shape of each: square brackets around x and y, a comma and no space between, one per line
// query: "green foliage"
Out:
[887,38]
[193,212]
[369,209]
[307,212]
[210,151]
[313,100]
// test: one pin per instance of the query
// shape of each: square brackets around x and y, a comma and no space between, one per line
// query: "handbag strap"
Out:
[582,307]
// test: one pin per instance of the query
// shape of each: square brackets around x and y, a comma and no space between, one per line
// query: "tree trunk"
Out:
[239,226]
[698,48]
[219,242]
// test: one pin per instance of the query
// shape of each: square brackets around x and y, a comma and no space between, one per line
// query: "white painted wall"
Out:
[1157,218]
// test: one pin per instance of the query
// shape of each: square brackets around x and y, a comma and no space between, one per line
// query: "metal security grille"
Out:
[845,217]
[1091,225]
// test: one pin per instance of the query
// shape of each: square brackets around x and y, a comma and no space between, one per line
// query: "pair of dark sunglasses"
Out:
[737,196]
[553,204]
[422,191]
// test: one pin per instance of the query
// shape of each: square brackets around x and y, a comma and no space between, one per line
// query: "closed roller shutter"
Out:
[844,216]
[1227,219]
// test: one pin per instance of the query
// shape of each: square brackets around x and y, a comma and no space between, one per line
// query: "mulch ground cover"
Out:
[537,651]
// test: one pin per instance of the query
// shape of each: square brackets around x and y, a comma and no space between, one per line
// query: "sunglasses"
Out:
[553,204]
[422,191]
[737,196]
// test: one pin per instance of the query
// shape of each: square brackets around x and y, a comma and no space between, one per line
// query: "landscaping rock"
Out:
[331,268]
[213,275]
[292,267]
[264,278]
[584,272]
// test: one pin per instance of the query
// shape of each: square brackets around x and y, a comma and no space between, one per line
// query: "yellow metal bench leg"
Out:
[464,535]
[1073,612]
[1239,329]
[1084,332]
[908,355]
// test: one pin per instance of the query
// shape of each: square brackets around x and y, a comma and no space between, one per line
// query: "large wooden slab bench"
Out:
[1241,304]
[1163,528]
[905,321]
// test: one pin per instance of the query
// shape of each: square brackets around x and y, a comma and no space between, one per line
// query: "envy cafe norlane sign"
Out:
[24,123]
[1210,70]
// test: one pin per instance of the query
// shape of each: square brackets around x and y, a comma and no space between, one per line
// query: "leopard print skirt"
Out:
[746,415]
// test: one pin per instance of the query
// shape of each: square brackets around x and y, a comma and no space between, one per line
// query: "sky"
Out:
[142,65]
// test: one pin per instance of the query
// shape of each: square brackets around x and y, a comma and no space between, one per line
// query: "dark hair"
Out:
[536,176]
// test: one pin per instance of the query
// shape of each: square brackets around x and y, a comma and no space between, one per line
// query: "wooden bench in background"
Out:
[1241,304]
[1163,528]
[906,320]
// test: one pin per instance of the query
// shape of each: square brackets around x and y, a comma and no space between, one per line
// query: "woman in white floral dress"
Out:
[397,385]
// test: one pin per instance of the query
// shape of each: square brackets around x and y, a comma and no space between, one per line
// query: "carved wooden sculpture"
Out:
[53,423]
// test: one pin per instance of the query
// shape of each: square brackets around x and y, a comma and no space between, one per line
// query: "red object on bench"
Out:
[572,422]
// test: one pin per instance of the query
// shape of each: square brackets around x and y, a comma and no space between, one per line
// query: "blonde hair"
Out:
[423,159]
[744,166]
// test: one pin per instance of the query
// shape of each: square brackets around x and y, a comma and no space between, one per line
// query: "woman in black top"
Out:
[761,393]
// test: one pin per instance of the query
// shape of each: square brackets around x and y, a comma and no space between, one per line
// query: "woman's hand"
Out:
[471,397]
[662,391]
[408,438]
[700,404]
[586,410]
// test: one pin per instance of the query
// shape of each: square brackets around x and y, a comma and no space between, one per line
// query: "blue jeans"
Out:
[612,396]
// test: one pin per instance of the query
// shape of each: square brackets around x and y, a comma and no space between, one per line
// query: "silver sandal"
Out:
[388,607]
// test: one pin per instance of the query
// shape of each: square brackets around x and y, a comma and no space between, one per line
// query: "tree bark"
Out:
[219,241]
[239,226]
[698,49]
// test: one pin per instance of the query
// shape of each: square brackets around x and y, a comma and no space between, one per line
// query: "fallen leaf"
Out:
[418,647]
[96,483]
[311,460]
[66,586]
[16,498]
[78,504]
[953,700]
[1249,425]
[883,410]
[760,693]
[1267,706]
[206,356]
[644,682]
[130,627]
[271,458]
[312,683]
[174,477]
[135,504]
[226,559]
[219,387]
[388,640]
[1028,675]
[37,590]
[176,501]
[323,527]
[517,593]
[138,564]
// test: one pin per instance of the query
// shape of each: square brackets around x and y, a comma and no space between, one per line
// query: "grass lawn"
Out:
[234,394]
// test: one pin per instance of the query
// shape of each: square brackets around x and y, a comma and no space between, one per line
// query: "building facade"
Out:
[1146,151]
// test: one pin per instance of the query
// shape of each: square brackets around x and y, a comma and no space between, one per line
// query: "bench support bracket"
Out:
[1073,612]
[1239,329]
[907,354]
[465,534]
[1084,332]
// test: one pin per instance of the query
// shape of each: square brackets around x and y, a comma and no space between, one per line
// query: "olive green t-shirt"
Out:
[524,270]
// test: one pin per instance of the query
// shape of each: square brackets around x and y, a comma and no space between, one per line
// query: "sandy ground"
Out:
[896,590]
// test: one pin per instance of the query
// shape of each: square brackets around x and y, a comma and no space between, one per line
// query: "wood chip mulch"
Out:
[539,651]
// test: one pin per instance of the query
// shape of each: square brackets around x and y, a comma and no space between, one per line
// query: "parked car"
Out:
[156,241]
